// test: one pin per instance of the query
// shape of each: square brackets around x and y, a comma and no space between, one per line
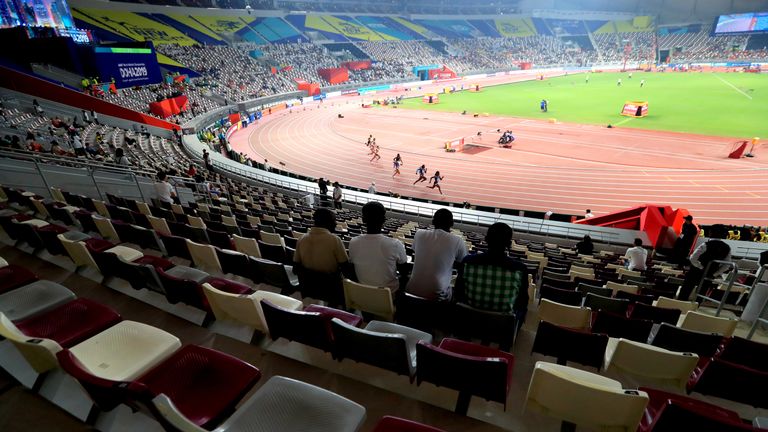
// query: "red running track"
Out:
[563,167]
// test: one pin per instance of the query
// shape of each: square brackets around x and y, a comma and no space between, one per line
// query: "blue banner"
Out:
[374,88]
[129,67]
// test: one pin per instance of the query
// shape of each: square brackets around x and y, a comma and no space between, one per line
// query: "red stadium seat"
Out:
[13,276]
[70,323]
[470,369]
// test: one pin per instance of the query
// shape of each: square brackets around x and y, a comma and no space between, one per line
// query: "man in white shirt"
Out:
[436,251]
[372,188]
[163,189]
[636,256]
[588,214]
[374,255]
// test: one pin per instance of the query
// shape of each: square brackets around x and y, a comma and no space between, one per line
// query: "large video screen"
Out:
[742,23]
[35,13]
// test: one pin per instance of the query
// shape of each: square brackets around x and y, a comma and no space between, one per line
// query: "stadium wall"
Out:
[27,84]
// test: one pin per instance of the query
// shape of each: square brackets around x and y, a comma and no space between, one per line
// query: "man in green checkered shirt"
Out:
[494,281]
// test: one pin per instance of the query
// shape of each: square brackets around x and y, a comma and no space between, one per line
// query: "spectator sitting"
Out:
[636,256]
[493,280]
[120,158]
[436,251]
[585,246]
[163,189]
[374,255]
[319,256]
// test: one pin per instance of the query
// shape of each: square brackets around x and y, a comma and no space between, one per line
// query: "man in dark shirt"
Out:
[585,246]
[715,249]
[683,244]
[494,281]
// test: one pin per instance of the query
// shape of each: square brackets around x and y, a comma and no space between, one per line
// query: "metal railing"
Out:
[70,161]
[53,171]
[759,319]
[546,228]
[730,282]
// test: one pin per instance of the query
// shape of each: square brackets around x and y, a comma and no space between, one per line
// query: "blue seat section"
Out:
[356,52]
[276,28]
[486,27]
[299,21]
[541,27]
[452,29]
[401,28]
[594,25]
[187,30]
[583,41]
[247,33]
[264,30]
[569,27]
[382,25]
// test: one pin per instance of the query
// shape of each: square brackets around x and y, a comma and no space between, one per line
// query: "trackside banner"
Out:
[128,66]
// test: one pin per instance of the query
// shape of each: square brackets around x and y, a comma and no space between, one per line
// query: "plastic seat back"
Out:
[618,326]
[475,375]
[204,256]
[682,306]
[309,328]
[678,339]
[567,297]
[706,323]
[373,300]
[655,314]
[384,350]
[567,344]
[607,304]
[616,287]
[649,363]
[746,352]
[731,381]
[564,315]
[247,246]
[39,353]
[584,398]
[488,326]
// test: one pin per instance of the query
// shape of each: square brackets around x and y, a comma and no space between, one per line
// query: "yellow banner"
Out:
[137,27]
[515,27]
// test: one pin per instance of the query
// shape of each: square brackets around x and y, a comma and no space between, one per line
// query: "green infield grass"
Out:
[725,104]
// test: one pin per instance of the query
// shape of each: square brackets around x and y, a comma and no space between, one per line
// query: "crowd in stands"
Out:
[633,46]
[230,74]
[474,7]
[539,50]
[229,71]
[701,46]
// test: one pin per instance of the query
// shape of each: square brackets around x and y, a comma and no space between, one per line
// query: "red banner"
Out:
[442,73]
[334,75]
[169,107]
[357,64]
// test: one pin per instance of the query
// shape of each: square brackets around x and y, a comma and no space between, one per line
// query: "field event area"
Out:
[723,104]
